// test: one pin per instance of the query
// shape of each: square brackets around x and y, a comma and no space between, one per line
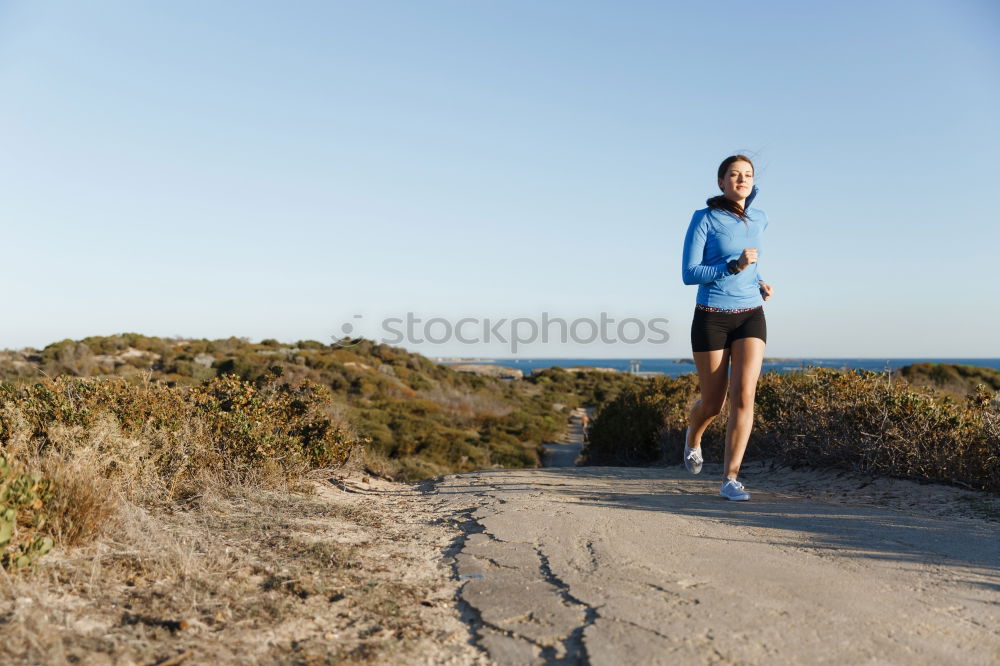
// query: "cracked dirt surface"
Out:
[629,565]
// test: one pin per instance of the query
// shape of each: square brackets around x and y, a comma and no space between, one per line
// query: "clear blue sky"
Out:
[267,169]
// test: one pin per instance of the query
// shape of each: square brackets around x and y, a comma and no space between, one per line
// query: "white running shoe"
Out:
[692,457]
[733,490]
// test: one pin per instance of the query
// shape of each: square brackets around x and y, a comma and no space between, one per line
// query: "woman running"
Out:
[728,332]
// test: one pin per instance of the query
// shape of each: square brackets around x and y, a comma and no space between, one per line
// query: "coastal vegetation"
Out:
[153,421]
[823,418]
[74,447]
[412,418]
[955,380]
[171,483]
[87,425]
[169,486]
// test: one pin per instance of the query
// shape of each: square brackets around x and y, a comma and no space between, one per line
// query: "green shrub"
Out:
[23,497]
[274,423]
[633,428]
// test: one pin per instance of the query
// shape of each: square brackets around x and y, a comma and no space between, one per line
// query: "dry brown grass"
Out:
[466,404]
[83,501]
[250,576]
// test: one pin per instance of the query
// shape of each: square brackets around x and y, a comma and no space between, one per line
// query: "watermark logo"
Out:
[347,330]
[513,331]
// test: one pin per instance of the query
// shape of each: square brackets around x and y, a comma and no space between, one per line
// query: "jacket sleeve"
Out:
[760,278]
[693,271]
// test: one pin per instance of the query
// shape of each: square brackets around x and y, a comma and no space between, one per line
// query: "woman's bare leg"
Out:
[713,380]
[747,355]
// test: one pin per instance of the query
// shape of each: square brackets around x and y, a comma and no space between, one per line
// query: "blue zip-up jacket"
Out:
[713,238]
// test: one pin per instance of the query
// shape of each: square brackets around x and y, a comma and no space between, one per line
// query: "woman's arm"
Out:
[692,270]
[766,290]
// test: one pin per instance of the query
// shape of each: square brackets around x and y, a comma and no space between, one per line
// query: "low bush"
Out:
[93,441]
[634,427]
[957,380]
[858,420]
[822,417]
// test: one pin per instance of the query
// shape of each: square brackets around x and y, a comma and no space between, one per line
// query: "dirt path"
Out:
[625,565]
[565,452]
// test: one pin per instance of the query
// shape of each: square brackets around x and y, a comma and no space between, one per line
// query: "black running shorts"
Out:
[717,330]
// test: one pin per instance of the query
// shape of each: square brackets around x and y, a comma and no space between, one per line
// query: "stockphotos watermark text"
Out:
[514,331]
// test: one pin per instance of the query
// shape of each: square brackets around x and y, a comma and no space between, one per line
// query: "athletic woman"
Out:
[728,332]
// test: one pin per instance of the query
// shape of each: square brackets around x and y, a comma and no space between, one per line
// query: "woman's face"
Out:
[737,181]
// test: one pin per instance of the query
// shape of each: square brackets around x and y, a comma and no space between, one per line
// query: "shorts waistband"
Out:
[705,308]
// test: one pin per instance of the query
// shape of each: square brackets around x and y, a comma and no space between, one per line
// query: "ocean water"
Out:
[674,367]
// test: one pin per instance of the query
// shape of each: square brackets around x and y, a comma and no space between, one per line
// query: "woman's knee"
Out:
[712,406]
[741,398]
[741,407]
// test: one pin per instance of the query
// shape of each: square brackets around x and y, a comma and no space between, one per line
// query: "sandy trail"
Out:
[564,453]
[626,565]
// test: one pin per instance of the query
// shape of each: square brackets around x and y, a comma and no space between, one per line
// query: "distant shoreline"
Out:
[679,366]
